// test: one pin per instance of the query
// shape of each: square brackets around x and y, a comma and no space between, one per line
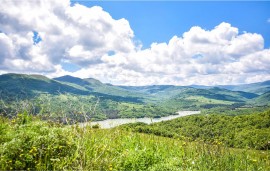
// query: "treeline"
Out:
[242,131]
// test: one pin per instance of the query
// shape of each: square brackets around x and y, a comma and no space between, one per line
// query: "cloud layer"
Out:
[43,36]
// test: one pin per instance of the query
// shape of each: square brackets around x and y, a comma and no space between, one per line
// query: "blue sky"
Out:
[158,21]
[138,42]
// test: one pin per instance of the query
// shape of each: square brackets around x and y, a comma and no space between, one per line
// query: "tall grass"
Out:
[27,143]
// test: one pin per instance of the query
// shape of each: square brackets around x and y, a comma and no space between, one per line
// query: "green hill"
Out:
[257,88]
[111,101]
[71,98]
[243,131]
[99,88]
[262,100]
[30,85]
[193,98]
[27,143]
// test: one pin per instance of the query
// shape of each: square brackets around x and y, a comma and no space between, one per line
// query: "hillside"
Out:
[95,86]
[30,85]
[26,143]
[257,88]
[39,127]
[262,100]
[243,131]
[193,98]
[67,96]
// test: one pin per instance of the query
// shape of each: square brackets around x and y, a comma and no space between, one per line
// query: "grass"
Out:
[27,143]
[204,100]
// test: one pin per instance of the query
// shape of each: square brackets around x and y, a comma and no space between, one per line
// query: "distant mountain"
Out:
[29,85]
[258,88]
[194,98]
[157,91]
[170,95]
[237,94]
[261,100]
[217,94]
[96,86]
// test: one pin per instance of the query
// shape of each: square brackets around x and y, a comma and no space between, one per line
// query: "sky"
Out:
[138,42]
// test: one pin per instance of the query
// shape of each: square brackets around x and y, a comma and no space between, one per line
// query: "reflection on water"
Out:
[110,123]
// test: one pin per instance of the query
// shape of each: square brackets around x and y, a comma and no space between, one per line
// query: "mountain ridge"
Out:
[153,93]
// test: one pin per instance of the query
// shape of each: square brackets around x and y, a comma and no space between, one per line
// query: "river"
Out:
[110,123]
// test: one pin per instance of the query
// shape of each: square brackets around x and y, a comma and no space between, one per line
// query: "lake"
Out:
[110,123]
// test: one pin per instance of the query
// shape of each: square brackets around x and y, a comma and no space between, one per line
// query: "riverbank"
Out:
[111,123]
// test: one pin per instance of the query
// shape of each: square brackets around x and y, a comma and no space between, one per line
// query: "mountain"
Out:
[193,98]
[257,88]
[30,85]
[165,95]
[95,86]
[72,96]
[261,100]
[158,92]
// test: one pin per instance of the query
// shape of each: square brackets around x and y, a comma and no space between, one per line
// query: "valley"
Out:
[83,100]
[69,123]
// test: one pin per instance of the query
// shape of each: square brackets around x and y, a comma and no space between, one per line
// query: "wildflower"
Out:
[254,160]
[193,162]
[110,167]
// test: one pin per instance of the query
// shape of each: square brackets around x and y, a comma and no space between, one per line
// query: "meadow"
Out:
[28,143]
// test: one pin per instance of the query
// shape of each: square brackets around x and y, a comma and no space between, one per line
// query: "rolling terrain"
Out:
[96,100]
[39,127]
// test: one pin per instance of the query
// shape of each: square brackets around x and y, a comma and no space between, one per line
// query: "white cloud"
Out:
[104,48]
[75,33]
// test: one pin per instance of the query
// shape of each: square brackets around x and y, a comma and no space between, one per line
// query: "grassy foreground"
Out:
[27,143]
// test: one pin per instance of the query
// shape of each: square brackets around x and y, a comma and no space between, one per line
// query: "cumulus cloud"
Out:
[39,36]
[75,33]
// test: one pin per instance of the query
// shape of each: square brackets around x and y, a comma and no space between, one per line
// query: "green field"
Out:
[26,143]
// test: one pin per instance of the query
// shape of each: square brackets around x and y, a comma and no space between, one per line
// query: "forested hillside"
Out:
[80,100]
[240,131]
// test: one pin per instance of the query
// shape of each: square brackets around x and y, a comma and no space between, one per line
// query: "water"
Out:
[110,123]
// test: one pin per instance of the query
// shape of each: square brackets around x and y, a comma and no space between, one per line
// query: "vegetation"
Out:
[27,143]
[39,127]
[69,108]
[242,131]
[72,99]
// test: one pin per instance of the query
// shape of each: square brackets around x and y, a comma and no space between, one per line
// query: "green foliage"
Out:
[69,108]
[34,145]
[43,145]
[242,131]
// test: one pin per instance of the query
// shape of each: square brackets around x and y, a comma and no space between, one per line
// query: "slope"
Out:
[258,88]
[30,85]
[243,131]
[193,98]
